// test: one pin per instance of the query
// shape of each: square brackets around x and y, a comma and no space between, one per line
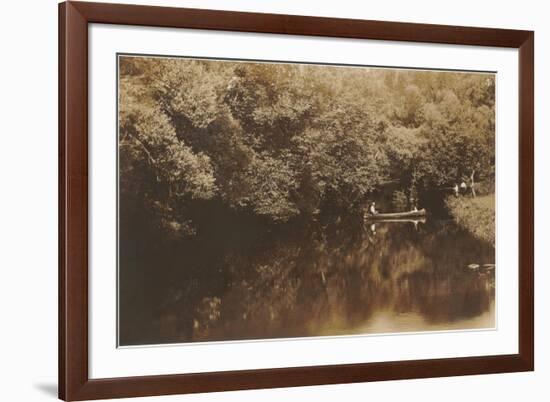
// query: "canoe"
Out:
[396,215]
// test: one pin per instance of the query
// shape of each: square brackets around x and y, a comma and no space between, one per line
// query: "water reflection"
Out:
[328,278]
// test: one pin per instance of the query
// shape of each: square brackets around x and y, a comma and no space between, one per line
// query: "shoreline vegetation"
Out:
[477,215]
[277,142]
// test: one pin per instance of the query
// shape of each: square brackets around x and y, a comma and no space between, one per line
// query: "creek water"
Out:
[334,276]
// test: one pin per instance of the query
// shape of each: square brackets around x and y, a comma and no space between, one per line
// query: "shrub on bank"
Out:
[476,215]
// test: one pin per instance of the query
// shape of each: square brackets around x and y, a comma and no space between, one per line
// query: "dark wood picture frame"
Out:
[74,381]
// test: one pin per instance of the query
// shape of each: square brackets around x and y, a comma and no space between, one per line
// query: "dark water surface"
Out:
[337,277]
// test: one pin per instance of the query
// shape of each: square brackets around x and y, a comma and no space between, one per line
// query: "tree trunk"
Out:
[472,183]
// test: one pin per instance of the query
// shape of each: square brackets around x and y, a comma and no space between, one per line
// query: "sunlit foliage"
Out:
[280,141]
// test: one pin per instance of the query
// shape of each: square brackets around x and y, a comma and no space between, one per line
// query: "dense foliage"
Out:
[279,141]
[477,215]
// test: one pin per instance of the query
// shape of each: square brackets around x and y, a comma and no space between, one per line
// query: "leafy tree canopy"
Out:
[283,140]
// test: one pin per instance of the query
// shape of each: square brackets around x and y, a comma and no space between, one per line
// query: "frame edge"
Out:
[73,202]
[526,56]
[62,351]
[194,18]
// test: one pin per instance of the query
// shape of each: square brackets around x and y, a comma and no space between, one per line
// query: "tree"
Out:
[281,140]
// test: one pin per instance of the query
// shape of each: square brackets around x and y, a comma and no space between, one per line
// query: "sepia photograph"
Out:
[268,199]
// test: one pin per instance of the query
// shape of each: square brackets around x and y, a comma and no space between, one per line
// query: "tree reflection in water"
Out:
[336,277]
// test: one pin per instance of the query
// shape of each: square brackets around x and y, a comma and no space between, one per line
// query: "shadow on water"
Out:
[338,276]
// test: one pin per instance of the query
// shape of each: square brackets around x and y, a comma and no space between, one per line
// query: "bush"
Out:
[477,215]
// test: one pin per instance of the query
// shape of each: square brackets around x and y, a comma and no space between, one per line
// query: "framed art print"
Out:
[259,200]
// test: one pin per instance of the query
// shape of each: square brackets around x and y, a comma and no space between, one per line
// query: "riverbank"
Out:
[477,215]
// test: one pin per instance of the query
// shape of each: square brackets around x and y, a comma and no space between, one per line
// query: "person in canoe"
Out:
[372,208]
